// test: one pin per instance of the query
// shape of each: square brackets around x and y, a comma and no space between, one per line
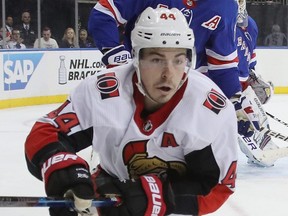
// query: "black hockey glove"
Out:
[67,175]
[148,195]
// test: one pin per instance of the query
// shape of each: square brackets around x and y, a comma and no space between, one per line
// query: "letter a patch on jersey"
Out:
[108,85]
[212,24]
[215,101]
[168,140]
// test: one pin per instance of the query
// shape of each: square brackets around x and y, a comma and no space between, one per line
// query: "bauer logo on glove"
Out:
[116,56]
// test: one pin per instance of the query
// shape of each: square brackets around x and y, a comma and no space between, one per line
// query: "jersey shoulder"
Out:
[205,106]
[105,84]
[211,97]
[224,8]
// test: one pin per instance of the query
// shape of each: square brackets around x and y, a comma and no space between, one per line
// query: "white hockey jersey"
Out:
[196,131]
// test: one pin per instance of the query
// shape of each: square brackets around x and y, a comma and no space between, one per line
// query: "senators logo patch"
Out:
[215,101]
[107,85]
[135,157]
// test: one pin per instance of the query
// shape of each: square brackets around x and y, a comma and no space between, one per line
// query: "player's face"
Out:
[162,70]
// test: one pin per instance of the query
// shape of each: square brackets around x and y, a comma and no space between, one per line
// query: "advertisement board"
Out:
[30,77]
[35,74]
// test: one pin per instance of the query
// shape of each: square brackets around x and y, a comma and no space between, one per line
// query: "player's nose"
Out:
[168,69]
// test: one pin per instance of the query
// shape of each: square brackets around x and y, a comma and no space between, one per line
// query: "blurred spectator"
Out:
[9,24]
[46,41]
[16,40]
[84,40]
[276,38]
[7,38]
[27,31]
[69,39]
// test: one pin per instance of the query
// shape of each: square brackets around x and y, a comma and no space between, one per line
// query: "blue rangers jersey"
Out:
[213,24]
[246,45]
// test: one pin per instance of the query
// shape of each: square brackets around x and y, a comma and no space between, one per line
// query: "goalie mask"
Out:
[242,17]
[162,28]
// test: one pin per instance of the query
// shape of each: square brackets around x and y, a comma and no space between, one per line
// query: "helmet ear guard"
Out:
[162,28]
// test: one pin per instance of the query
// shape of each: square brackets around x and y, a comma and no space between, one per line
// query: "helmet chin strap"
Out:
[142,90]
[145,94]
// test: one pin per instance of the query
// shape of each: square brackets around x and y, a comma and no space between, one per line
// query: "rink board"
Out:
[33,77]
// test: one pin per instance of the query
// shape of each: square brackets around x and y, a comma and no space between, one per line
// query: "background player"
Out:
[246,40]
[214,26]
[254,87]
[176,130]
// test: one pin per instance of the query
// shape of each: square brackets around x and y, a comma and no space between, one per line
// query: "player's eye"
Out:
[156,60]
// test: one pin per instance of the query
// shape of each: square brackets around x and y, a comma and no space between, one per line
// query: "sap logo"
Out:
[18,69]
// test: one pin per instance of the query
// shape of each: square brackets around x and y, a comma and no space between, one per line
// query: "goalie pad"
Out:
[247,119]
[257,107]
[255,147]
[262,157]
[263,90]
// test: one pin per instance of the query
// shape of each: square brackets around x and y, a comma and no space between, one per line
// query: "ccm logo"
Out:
[156,196]
[56,159]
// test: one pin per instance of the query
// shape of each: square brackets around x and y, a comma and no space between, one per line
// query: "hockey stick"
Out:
[274,154]
[21,201]
[275,134]
[277,119]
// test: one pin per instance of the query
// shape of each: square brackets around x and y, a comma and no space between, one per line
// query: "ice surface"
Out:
[260,191]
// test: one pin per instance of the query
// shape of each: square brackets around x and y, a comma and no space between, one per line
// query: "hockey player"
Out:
[166,134]
[246,40]
[214,26]
[253,86]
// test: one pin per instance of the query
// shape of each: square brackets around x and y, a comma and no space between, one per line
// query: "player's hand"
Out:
[147,195]
[116,56]
[264,90]
[66,175]
[248,121]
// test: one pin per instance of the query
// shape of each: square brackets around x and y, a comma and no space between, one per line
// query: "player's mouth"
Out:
[165,88]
